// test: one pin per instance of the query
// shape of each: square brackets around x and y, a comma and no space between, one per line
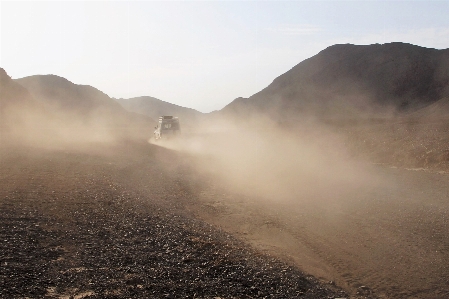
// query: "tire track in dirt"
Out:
[84,226]
[389,242]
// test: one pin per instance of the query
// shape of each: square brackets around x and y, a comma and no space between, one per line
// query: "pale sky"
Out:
[198,54]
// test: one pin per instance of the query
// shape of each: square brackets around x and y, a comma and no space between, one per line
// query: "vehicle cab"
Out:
[168,126]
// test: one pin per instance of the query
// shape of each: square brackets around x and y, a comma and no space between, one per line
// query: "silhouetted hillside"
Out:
[14,100]
[11,91]
[353,81]
[154,108]
[69,97]
[81,102]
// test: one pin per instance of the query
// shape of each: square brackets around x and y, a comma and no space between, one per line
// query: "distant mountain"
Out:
[68,97]
[12,93]
[355,81]
[14,99]
[85,104]
[154,108]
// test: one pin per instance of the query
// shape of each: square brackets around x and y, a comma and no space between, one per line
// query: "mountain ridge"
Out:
[59,91]
[394,77]
[154,108]
[70,112]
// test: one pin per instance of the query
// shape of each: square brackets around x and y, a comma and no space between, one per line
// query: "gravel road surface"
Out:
[108,221]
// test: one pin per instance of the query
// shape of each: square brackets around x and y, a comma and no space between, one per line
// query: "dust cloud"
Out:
[52,130]
[40,125]
[305,162]
[296,191]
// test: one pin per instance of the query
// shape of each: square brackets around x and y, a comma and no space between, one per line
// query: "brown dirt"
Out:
[385,238]
[138,220]
[110,222]
[404,142]
[388,241]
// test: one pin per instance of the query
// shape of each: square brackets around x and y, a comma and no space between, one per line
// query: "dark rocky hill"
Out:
[354,81]
[154,108]
[83,103]
[62,94]
[11,92]
[14,101]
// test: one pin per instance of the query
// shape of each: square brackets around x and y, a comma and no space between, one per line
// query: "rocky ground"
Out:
[110,222]
[374,219]
[406,143]
[136,220]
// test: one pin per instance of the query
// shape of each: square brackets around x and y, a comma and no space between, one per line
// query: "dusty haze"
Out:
[291,163]
[310,193]
[42,125]
[332,191]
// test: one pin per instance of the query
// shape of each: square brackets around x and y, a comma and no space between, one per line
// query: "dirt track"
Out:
[389,241]
[374,229]
[127,222]
[110,222]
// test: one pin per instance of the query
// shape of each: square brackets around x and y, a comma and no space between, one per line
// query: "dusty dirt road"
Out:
[316,198]
[388,239]
[132,221]
[108,221]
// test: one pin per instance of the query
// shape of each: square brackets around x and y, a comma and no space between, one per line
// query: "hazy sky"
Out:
[199,54]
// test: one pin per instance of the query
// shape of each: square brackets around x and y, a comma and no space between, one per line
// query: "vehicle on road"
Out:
[167,127]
